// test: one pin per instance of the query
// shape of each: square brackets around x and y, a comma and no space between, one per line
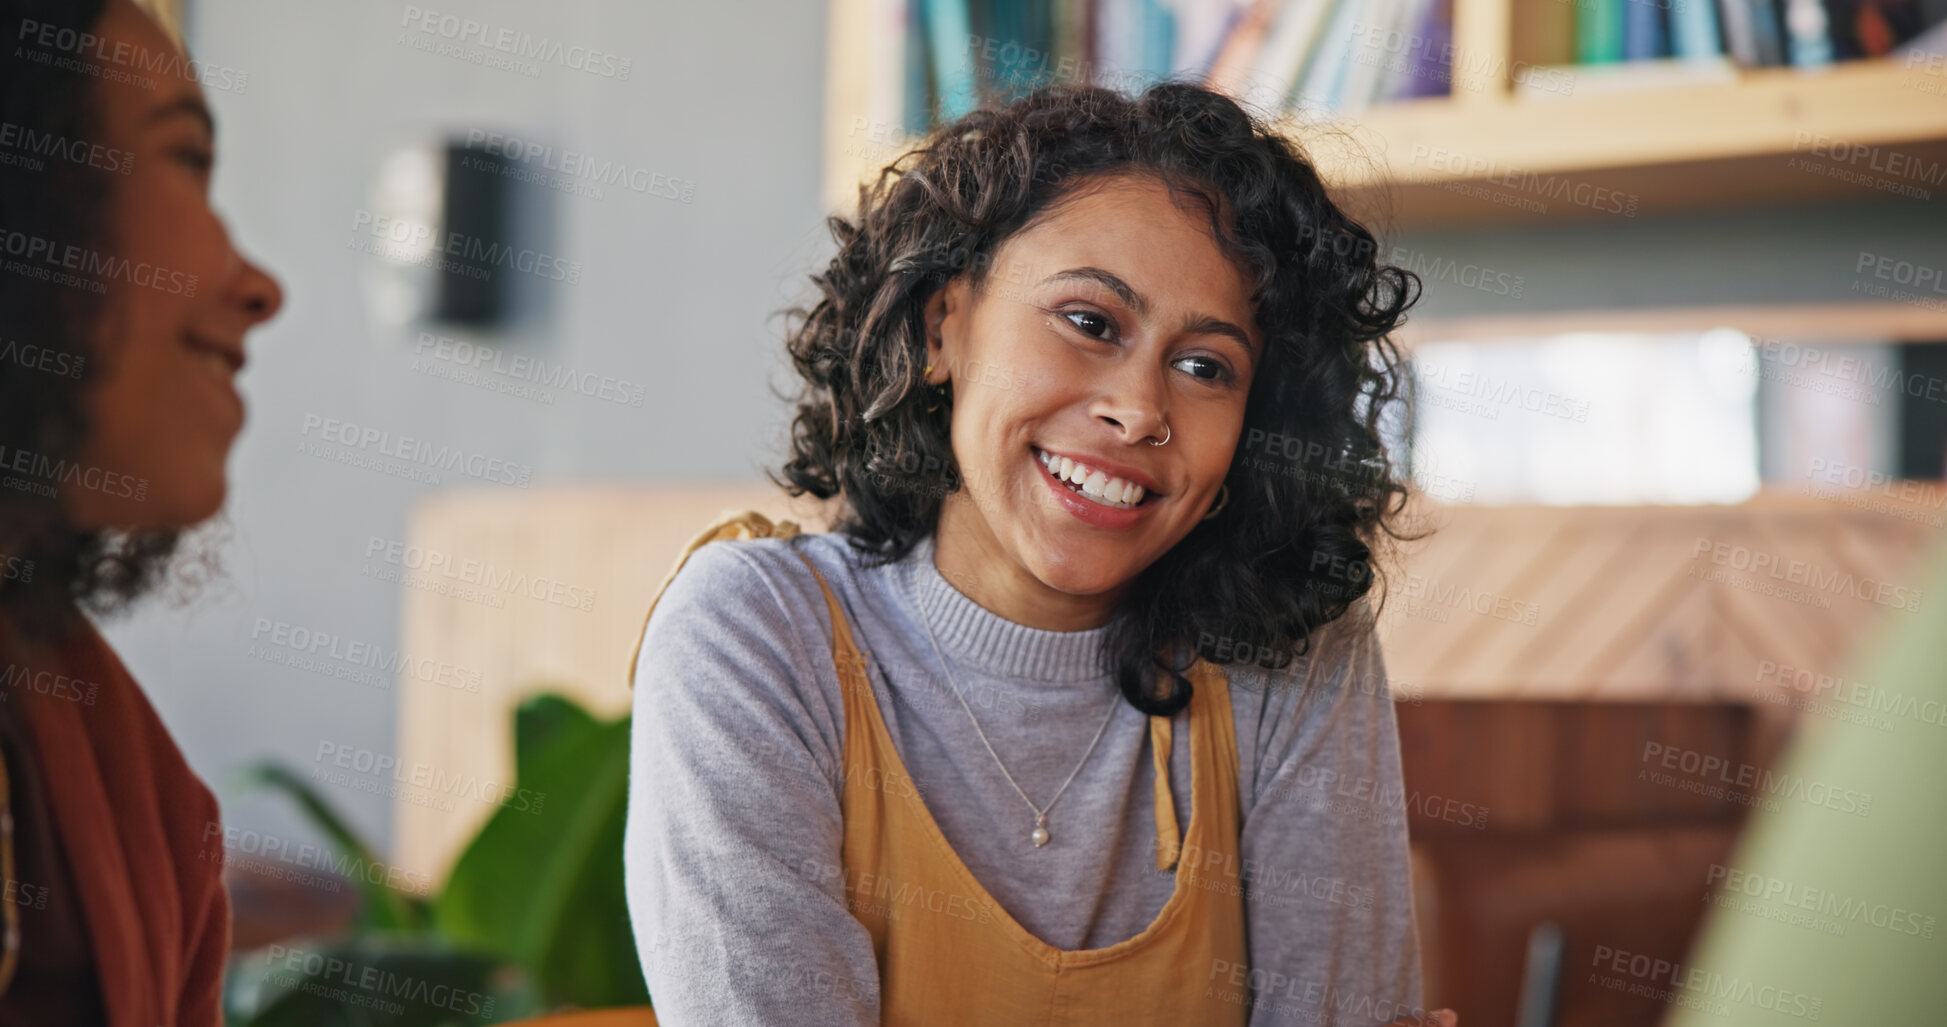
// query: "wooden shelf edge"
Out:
[1826,322]
[1868,102]
[1707,145]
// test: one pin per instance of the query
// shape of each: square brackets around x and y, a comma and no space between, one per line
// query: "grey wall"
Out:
[674,296]
[1801,254]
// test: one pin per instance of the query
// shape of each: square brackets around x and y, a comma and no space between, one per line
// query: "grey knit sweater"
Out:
[734,828]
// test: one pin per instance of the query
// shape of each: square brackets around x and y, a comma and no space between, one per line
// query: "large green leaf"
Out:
[541,884]
[543,718]
[384,908]
[377,980]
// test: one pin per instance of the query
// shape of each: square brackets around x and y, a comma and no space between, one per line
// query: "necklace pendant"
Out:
[1040,835]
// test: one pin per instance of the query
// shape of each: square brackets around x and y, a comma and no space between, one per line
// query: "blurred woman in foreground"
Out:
[123,311]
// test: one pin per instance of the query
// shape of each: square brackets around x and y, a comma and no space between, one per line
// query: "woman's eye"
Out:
[1217,371]
[201,160]
[1091,315]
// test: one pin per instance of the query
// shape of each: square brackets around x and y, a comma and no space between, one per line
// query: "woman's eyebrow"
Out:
[1203,325]
[186,104]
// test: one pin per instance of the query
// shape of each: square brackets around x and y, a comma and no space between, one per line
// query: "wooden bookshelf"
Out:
[1488,156]
[1745,143]
[1826,323]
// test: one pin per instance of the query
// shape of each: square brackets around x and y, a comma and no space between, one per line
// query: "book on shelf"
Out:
[1367,64]
[1201,27]
[1646,33]
[933,60]
[1693,31]
[1281,59]
[949,30]
[1599,26]
[1319,91]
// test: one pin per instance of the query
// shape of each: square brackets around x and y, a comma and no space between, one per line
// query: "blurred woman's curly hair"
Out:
[1311,486]
[51,337]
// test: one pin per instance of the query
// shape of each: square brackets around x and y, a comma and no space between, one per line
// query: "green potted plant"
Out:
[532,919]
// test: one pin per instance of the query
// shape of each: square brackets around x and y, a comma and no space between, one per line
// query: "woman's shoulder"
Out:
[759,575]
[1342,659]
[738,651]
[83,703]
[1331,703]
[752,603]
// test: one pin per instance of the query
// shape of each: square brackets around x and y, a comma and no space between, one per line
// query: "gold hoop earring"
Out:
[1223,497]
[940,387]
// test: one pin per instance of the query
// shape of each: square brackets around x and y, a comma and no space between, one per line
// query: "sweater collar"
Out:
[988,642]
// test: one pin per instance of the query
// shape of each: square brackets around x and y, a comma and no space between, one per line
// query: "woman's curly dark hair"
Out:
[50,355]
[1311,486]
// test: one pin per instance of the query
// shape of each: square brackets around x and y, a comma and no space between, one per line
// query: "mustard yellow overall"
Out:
[968,961]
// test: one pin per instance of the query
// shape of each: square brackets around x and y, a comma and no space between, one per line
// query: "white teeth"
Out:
[1097,485]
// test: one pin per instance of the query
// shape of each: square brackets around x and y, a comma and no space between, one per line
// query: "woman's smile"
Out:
[1090,495]
[1106,483]
[220,362]
[1116,374]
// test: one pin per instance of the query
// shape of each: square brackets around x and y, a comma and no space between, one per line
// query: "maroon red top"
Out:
[120,901]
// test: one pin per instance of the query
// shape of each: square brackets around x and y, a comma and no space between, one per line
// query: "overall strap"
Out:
[1207,703]
[732,524]
[748,524]
[845,654]
[1168,844]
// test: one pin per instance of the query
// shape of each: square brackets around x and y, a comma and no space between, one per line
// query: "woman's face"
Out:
[179,301]
[1112,324]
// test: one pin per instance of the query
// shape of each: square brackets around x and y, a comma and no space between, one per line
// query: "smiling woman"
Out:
[1147,270]
[1096,383]
[123,310]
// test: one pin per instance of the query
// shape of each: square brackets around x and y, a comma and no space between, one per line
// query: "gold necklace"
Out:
[1039,836]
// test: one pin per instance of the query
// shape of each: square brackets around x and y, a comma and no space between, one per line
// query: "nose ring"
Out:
[1166,435]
